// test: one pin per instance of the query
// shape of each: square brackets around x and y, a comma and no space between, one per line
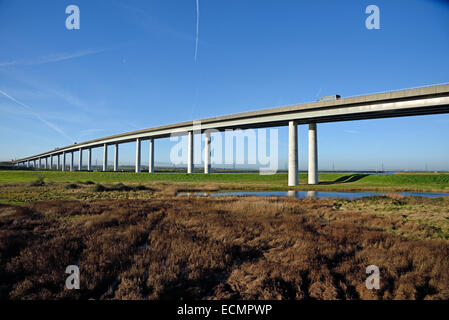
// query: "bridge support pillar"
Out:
[39,163]
[28,163]
[207,164]
[313,155]
[89,159]
[71,161]
[116,157]
[51,162]
[63,161]
[80,159]
[58,163]
[46,163]
[190,153]
[138,146]
[292,154]
[151,157]
[105,157]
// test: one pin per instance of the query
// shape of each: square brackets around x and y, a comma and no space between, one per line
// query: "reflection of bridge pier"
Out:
[311,194]
[292,193]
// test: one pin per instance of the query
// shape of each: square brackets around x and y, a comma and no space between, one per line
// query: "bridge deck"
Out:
[420,101]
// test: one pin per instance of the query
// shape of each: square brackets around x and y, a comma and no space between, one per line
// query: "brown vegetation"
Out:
[212,248]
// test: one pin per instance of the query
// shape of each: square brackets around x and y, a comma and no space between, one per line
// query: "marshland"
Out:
[138,239]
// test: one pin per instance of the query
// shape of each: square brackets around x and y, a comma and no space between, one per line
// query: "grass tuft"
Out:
[99,188]
[39,182]
[71,186]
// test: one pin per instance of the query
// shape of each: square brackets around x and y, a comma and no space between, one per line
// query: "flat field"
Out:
[437,182]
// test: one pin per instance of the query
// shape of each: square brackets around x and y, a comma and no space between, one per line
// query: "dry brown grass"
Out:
[202,248]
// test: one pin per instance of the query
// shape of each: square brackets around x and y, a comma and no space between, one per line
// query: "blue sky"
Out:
[132,65]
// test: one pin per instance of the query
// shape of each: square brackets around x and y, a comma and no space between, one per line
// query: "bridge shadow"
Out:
[346,179]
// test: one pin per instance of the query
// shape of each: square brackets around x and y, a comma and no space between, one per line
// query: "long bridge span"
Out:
[409,102]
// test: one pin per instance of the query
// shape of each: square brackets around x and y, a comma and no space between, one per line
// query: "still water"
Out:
[310,194]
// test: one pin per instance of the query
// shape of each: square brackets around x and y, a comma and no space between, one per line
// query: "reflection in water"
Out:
[292,193]
[311,194]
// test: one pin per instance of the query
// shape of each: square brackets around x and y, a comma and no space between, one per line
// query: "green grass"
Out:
[111,177]
[328,181]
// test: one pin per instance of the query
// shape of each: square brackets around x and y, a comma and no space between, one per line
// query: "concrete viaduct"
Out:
[410,102]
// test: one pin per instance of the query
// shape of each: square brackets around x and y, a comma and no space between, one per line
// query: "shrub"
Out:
[119,187]
[38,182]
[139,188]
[99,188]
[86,182]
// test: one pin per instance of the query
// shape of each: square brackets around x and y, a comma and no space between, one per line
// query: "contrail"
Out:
[50,58]
[47,123]
[197,29]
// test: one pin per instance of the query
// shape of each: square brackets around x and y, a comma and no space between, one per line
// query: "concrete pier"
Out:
[40,163]
[313,155]
[46,163]
[151,157]
[71,161]
[105,157]
[190,167]
[80,159]
[292,154]
[51,162]
[116,157]
[58,164]
[207,164]
[89,159]
[138,146]
[63,161]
